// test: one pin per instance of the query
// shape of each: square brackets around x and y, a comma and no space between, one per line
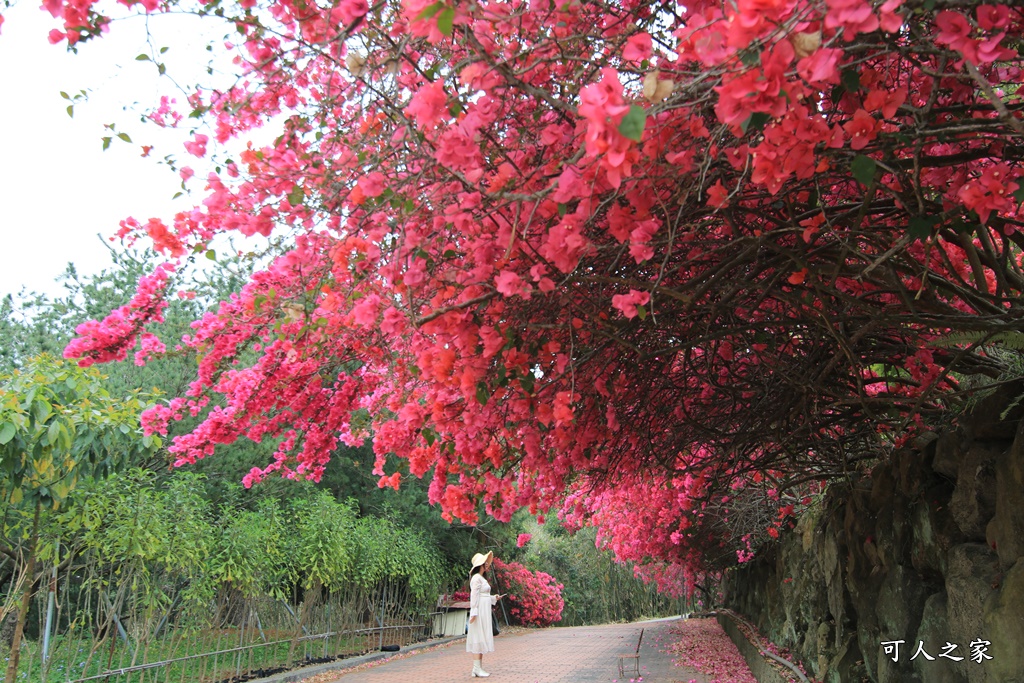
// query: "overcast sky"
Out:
[58,188]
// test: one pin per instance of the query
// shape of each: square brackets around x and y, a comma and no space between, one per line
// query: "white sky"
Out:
[58,189]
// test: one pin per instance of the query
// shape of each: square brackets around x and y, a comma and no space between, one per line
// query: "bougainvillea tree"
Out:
[634,258]
[534,597]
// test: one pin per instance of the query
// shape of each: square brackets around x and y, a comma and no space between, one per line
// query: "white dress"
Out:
[480,637]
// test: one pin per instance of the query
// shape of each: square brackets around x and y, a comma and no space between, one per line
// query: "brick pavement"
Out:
[583,654]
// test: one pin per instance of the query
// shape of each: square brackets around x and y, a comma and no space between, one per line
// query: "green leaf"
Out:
[106,144]
[1019,194]
[526,382]
[430,11]
[142,58]
[65,95]
[562,209]
[42,410]
[641,312]
[755,122]
[71,110]
[445,22]
[482,393]
[296,196]
[863,169]
[124,136]
[52,432]
[7,433]
[750,57]
[851,80]
[920,227]
[211,254]
[632,125]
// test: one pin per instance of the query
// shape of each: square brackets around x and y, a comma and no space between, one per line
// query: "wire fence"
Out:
[107,629]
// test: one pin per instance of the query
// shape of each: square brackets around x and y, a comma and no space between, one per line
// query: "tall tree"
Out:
[57,425]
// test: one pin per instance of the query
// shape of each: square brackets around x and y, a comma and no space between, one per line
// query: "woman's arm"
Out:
[474,597]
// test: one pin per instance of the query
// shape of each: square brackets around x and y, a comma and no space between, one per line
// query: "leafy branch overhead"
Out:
[58,424]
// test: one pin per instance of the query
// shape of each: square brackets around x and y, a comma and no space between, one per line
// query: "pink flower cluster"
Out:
[955,31]
[535,597]
[111,338]
[603,106]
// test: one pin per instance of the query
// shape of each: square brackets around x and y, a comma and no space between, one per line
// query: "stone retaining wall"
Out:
[929,548]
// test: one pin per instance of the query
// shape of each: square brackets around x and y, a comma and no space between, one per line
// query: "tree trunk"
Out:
[26,602]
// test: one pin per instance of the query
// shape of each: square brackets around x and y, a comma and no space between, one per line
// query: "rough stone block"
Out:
[900,603]
[948,454]
[973,570]
[1005,531]
[974,499]
[934,531]
[1004,627]
[934,633]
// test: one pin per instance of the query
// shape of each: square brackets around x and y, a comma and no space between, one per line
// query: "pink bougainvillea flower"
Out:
[428,105]
[509,283]
[372,184]
[627,303]
[638,48]
[821,66]
[718,196]
[197,146]
[853,16]
[993,17]
[862,129]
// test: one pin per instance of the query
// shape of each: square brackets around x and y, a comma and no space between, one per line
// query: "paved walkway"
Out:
[582,654]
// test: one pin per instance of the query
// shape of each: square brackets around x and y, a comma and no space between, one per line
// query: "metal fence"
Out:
[105,629]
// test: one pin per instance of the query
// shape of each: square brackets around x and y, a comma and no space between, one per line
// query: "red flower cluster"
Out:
[535,598]
[111,338]
[643,267]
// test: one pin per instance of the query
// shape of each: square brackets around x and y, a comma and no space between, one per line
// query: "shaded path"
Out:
[581,654]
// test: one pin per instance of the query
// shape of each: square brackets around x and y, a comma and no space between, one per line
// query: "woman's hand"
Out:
[472,619]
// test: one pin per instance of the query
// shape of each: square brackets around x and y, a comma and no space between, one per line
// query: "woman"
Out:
[479,636]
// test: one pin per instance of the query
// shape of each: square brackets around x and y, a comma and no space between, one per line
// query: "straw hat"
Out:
[480,559]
